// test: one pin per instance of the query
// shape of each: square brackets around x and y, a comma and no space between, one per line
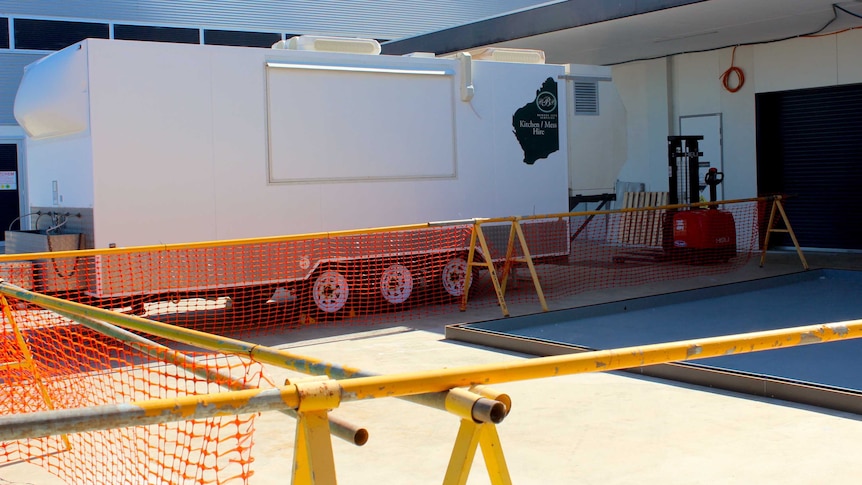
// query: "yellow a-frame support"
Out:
[508,262]
[28,363]
[778,208]
[313,462]
[470,436]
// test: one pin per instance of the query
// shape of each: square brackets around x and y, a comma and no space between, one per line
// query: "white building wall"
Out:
[849,47]
[643,88]
[739,126]
[597,144]
[657,92]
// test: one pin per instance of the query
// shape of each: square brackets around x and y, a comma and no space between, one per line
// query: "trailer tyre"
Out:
[330,291]
[396,283]
[454,275]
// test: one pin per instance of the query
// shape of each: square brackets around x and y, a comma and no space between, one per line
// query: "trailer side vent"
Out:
[319,43]
[586,97]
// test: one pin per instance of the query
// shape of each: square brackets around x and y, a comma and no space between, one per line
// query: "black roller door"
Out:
[809,147]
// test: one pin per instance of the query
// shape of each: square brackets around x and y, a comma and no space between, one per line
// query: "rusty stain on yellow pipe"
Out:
[605,360]
[219,404]
[396,385]
[408,384]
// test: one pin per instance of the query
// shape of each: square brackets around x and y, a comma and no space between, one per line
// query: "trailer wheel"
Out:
[330,291]
[396,283]
[453,275]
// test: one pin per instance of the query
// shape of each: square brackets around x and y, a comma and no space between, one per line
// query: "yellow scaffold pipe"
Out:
[560,215]
[597,361]
[77,253]
[143,413]
[337,426]
[196,338]
[259,353]
[405,384]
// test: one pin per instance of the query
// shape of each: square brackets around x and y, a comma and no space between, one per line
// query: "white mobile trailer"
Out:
[164,143]
[176,143]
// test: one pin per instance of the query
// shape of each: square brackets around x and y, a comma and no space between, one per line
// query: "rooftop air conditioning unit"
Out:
[505,54]
[319,43]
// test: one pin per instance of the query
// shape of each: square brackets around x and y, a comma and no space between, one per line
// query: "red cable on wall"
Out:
[732,70]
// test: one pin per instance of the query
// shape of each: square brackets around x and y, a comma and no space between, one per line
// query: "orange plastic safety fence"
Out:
[274,285]
[237,288]
[74,367]
[627,248]
[394,275]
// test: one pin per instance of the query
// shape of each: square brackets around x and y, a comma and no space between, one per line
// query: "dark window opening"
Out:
[53,35]
[240,39]
[4,33]
[157,34]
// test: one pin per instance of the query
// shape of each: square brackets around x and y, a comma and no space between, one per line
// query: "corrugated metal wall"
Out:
[379,19]
[809,147]
[11,69]
[382,19]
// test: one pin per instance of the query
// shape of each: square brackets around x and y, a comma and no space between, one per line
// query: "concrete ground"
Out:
[589,428]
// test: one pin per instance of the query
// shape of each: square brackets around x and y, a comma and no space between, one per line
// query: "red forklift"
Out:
[696,234]
[689,235]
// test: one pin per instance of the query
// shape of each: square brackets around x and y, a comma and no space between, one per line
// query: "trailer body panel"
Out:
[170,143]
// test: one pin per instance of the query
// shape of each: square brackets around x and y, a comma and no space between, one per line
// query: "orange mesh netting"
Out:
[62,365]
[626,248]
[237,287]
[275,284]
[367,277]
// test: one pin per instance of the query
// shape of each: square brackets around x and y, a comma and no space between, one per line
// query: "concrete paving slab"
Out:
[589,428]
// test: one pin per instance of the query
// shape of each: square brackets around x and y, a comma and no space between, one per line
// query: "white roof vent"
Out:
[319,43]
[506,54]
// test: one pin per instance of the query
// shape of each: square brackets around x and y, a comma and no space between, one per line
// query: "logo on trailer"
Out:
[546,102]
[536,125]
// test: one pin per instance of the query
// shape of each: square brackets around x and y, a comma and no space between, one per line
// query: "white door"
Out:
[709,126]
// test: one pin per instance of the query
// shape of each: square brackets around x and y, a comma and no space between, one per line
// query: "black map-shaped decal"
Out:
[536,126]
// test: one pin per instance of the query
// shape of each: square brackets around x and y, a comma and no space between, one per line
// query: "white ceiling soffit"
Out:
[690,27]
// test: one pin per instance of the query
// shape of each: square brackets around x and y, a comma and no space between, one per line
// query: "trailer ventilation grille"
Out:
[586,97]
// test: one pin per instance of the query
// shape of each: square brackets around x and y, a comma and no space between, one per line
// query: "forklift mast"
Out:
[683,157]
